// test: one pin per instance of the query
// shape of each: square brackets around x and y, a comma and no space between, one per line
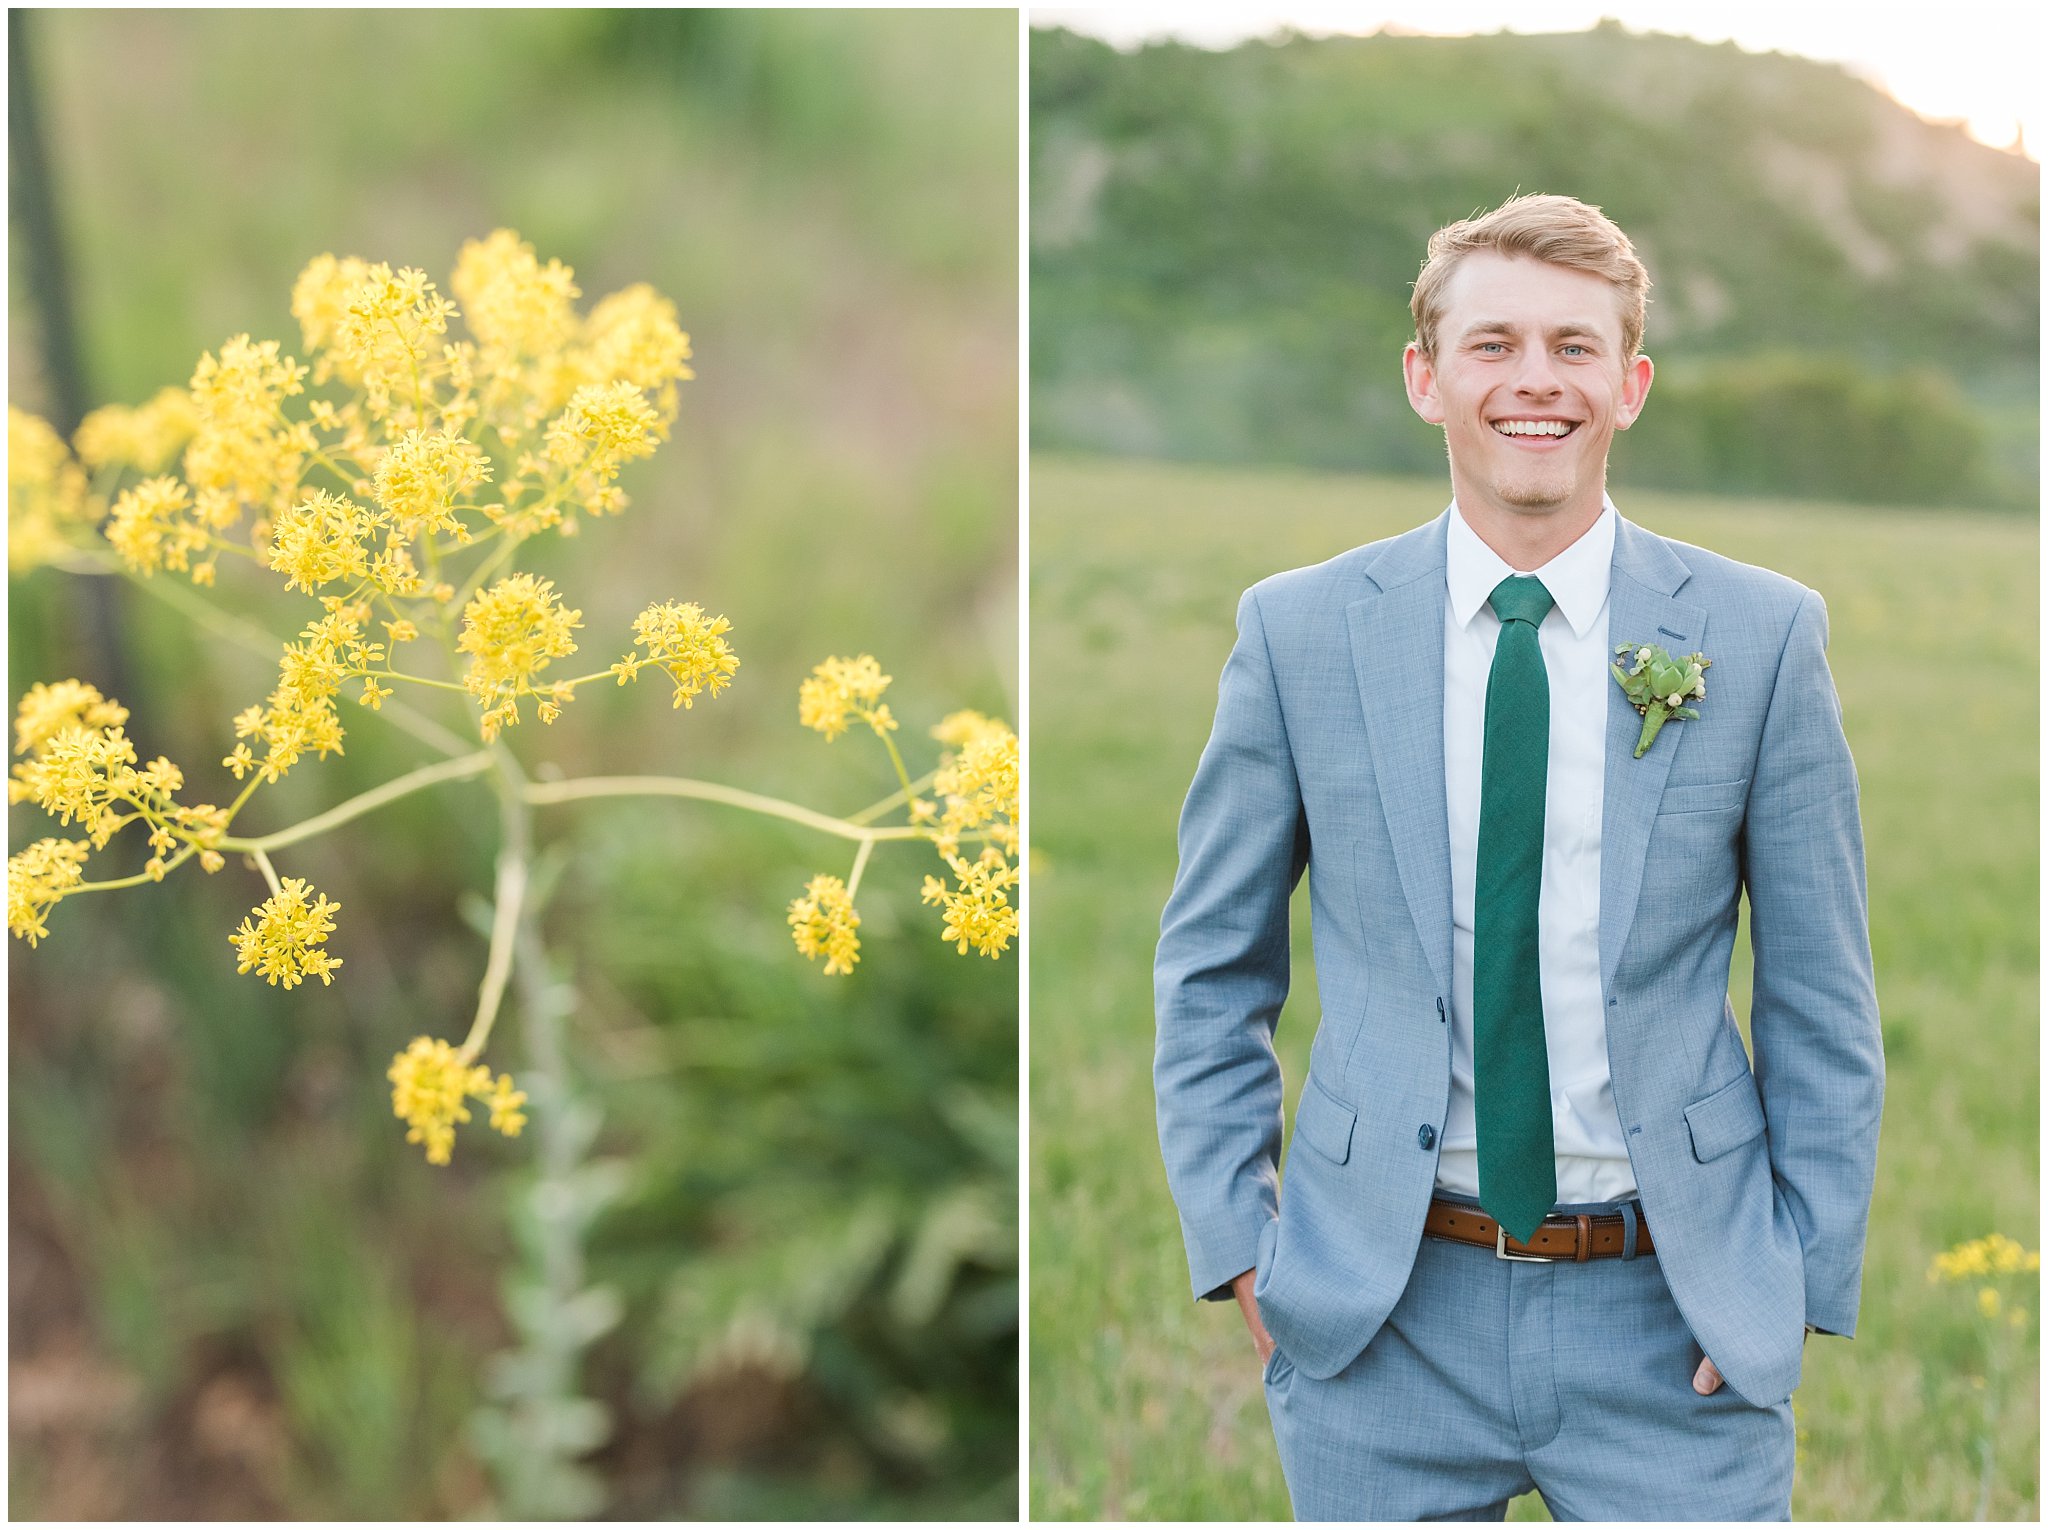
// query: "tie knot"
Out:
[1521,599]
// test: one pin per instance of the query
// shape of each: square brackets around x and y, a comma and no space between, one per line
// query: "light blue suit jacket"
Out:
[1327,754]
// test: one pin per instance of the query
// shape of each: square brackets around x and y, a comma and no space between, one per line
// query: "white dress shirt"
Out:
[1592,1158]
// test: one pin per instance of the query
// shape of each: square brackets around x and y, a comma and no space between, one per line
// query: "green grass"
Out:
[1147,1407]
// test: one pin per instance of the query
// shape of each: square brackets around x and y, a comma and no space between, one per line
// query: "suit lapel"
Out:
[1641,609]
[1397,650]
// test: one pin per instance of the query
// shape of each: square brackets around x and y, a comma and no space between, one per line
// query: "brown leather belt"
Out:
[1568,1238]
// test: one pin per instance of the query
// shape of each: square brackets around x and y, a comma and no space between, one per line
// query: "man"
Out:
[1523,923]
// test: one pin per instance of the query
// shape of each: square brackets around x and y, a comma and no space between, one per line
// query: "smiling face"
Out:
[1530,384]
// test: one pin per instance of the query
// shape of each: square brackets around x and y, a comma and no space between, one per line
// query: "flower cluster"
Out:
[977,787]
[682,640]
[824,924]
[431,1085]
[977,781]
[36,879]
[82,768]
[1985,1260]
[977,907]
[392,478]
[46,492]
[840,691]
[512,631]
[364,490]
[1995,1254]
[283,946]
[149,437]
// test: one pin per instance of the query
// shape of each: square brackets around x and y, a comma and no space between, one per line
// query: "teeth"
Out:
[1534,427]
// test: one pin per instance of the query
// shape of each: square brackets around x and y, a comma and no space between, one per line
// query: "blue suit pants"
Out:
[1493,1378]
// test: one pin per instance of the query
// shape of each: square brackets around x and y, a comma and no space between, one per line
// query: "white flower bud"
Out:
[1642,656]
[1673,699]
[1699,687]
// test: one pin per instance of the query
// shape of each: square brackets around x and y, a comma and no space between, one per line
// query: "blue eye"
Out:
[1580,349]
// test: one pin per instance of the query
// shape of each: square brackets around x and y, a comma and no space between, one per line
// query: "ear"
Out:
[1420,373]
[1635,388]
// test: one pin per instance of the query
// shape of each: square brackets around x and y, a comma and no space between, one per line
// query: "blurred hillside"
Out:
[234,1291]
[1845,295]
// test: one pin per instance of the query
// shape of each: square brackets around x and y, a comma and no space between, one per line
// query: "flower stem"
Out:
[439,685]
[138,879]
[269,872]
[875,810]
[860,864]
[896,759]
[506,912]
[404,786]
[546,793]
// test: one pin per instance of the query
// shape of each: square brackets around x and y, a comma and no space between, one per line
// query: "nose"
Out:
[1536,378]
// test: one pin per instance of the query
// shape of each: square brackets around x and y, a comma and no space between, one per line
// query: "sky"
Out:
[1961,60]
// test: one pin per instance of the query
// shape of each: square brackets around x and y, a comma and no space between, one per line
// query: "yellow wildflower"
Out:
[1994,1254]
[958,728]
[513,304]
[632,336]
[1987,1301]
[321,539]
[320,299]
[977,911]
[423,474]
[504,1100]
[512,631]
[36,879]
[605,426]
[823,923]
[45,490]
[979,785]
[390,331]
[680,638]
[242,446]
[283,944]
[49,709]
[431,1083]
[152,526]
[147,438]
[80,773]
[838,691]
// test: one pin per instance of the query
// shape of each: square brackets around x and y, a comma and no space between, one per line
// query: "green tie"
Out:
[1510,1066]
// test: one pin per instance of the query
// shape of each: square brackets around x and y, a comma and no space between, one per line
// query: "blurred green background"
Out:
[1221,252]
[234,1291]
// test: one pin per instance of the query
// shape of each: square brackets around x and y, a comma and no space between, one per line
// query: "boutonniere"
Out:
[1658,686]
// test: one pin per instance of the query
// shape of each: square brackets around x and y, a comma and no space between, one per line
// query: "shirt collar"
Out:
[1577,578]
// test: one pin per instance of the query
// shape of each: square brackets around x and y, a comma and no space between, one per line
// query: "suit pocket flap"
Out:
[1725,1119]
[1324,1123]
[1704,797]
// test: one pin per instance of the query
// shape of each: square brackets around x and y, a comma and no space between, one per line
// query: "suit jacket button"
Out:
[1426,1136]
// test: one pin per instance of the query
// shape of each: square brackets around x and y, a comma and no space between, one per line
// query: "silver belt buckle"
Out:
[1500,1249]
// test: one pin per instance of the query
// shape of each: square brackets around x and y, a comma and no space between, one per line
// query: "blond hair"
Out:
[1560,230]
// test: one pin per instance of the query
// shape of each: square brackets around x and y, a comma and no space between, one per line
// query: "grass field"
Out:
[1144,1406]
